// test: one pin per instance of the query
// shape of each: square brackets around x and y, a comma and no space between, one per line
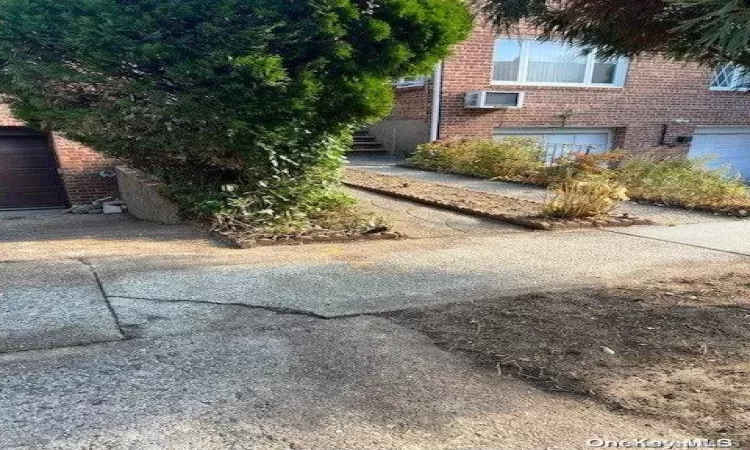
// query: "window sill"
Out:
[557,85]
[720,89]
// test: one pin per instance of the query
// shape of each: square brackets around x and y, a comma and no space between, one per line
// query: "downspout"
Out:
[437,91]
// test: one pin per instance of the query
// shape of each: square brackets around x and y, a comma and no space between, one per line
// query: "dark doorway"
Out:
[28,171]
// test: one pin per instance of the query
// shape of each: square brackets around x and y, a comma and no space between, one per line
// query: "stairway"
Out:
[365,144]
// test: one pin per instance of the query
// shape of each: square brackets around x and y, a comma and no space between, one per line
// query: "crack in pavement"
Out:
[125,335]
[702,247]
[112,312]
[274,309]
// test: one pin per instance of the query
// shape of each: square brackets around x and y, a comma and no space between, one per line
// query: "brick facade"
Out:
[656,92]
[412,103]
[79,166]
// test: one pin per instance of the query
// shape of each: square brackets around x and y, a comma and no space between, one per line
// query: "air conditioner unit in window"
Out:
[493,99]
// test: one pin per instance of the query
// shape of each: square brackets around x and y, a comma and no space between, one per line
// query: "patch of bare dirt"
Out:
[512,210]
[435,193]
[676,349]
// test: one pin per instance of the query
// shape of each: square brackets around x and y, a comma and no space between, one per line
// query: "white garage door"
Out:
[730,147]
[564,140]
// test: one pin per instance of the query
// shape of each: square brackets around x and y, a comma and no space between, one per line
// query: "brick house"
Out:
[564,98]
[46,170]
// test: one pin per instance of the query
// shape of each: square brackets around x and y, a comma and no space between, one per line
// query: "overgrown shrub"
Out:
[682,181]
[259,95]
[584,185]
[278,203]
[580,179]
[575,198]
[447,155]
[517,159]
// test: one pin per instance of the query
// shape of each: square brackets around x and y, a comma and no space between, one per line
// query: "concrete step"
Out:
[368,151]
[367,145]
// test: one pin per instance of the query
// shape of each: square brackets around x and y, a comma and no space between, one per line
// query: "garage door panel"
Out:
[563,140]
[32,199]
[24,146]
[28,173]
[24,162]
[729,148]
[24,143]
[29,180]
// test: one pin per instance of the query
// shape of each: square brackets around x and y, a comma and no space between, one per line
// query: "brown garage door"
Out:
[28,172]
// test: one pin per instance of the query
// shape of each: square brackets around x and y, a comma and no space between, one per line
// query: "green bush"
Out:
[255,94]
[516,159]
[449,155]
[682,181]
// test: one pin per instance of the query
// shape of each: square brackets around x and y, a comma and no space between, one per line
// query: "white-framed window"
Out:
[551,63]
[411,82]
[731,77]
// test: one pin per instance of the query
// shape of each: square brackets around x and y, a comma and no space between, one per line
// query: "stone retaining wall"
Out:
[142,194]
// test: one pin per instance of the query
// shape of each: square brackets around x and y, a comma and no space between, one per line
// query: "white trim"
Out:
[619,77]
[588,74]
[437,91]
[547,84]
[523,69]
[410,82]
[621,72]
[728,89]
[409,86]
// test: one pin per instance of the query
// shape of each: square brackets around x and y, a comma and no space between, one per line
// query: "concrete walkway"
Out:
[662,215]
[121,334]
[276,383]
[60,290]
[727,236]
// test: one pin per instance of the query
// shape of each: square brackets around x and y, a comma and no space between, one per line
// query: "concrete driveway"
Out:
[49,234]
[278,383]
[731,236]
[116,333]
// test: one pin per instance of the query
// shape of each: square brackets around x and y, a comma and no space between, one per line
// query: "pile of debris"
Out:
[106,205]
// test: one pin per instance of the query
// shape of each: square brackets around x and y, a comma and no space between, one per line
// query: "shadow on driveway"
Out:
[49,234]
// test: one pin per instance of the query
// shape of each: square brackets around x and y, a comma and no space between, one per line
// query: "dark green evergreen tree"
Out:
[222,98]
[708,31]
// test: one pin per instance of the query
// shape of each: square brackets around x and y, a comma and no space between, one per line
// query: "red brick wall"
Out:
[656,92]
[80,171]
[80,166]
[412,103]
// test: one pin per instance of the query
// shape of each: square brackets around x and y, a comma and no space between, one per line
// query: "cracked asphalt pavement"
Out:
[117,334]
